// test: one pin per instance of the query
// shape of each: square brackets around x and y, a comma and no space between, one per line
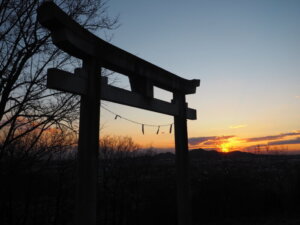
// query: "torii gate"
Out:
[92,87]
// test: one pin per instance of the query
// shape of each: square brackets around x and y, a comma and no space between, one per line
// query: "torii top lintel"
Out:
[69,36]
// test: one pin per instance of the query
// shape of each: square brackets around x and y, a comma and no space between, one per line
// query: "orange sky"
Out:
[279,143]
[231,138]
[247,56]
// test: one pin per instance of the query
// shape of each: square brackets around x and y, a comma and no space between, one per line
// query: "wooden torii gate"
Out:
[92,87]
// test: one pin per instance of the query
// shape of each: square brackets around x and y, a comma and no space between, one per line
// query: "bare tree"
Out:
[120,176]
[26,52]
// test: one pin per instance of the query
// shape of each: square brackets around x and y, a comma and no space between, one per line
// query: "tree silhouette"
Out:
[26,52]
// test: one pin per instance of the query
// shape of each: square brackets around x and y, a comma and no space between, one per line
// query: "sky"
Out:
[246,54]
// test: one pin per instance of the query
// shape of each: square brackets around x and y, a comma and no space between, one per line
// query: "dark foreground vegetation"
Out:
[139,188]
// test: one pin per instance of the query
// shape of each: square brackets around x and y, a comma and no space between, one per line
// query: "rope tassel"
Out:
[116,116]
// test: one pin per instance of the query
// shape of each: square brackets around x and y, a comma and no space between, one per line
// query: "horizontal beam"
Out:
[69,36]
[64,81]
[68,82]
[121,96]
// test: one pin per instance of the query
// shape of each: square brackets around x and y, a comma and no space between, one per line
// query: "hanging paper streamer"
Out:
[135,122]
[171,125]
[157,130]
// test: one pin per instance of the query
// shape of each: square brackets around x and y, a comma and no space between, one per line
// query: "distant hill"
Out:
[240,154]
[165,156]
[206,154]
[213,154]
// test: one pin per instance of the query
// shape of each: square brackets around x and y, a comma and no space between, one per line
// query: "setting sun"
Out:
[230,145]
[225,147]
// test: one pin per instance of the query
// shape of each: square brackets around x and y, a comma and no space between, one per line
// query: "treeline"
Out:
[38,187]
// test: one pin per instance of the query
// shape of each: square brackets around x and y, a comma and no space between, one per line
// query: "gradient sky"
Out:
[245,52]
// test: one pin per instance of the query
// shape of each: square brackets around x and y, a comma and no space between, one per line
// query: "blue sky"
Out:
[246,53]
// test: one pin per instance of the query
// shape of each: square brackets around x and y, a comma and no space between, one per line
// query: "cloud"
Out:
[286,142]
[199,140]
[272,137]
[210,143]
[208,140]
[238,126]
[298,96]
[272,143]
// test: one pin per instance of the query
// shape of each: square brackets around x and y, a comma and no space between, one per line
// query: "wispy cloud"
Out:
[264,147]
[286,142]
[208,140]
[238,126]
[272,137]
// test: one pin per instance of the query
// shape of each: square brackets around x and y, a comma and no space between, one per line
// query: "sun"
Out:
[230,145]
[225,147]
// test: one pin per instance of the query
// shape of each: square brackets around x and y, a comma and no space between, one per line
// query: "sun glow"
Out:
[225,147]
[231,144]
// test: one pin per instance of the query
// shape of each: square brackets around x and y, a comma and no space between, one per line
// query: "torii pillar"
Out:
[88,146]
[182,162]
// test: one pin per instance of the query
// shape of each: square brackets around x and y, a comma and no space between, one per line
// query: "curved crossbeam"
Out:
[79,42]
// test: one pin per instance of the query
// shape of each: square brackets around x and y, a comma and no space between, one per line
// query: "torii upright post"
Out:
[182,161]
[88,145]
